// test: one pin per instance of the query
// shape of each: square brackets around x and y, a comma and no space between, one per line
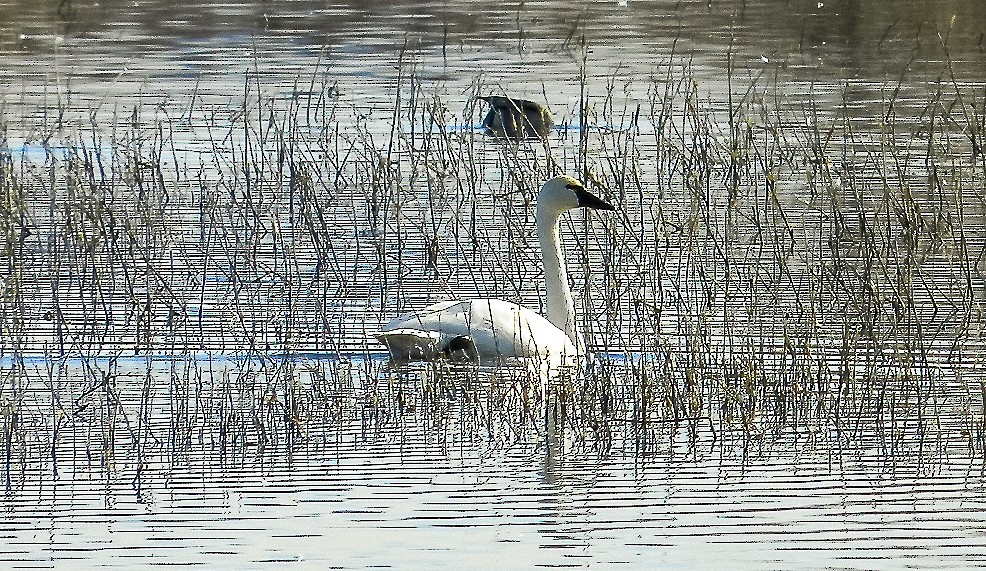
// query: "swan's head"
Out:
[565,193]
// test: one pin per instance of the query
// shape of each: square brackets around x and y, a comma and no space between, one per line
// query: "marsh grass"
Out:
[776,269]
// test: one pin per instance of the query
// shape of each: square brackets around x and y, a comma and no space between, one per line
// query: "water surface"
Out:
[790,315]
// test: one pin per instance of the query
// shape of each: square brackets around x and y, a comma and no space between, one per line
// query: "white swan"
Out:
[492,330]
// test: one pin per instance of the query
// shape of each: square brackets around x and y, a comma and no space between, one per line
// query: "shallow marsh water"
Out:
[458,480]
[214,205]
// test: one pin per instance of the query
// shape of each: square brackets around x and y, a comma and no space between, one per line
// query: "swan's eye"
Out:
[575,186]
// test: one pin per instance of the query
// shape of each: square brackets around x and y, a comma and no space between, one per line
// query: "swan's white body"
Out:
[493,330]
[489,331]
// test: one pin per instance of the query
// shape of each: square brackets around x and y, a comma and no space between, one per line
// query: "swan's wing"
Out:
[407,345]
[446,317]
[426,333]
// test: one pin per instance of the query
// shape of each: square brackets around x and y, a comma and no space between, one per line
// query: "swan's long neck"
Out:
[561,306]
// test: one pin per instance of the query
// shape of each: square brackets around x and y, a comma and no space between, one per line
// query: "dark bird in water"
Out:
[516,118]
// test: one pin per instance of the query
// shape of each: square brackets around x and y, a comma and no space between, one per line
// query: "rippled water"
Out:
[762,401]
[462,479]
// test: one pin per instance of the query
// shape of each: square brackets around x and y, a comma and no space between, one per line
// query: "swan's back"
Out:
[487,330]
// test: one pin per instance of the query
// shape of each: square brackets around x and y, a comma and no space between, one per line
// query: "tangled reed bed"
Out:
[780,266]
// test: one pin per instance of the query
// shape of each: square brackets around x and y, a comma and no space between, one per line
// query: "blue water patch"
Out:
[30,360]
[40,154]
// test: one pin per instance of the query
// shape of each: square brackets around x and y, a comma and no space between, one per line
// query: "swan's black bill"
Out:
[589,200]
